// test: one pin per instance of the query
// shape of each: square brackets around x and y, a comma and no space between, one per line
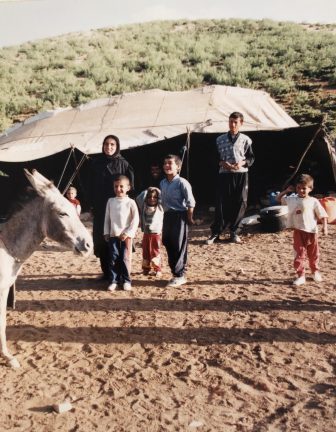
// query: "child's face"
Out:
[155,171]
[71,194]
[303,189]
[170,167]
[152,199]
[121,187]
[234,125]
[109,147]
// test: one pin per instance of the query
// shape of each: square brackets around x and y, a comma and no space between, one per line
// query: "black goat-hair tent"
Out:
[278,155]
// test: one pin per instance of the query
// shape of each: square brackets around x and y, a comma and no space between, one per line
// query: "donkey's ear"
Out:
[38,181]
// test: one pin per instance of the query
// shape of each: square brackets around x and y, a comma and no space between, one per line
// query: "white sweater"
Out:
[121,217]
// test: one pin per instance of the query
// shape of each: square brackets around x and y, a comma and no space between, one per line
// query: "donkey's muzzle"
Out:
[84,246]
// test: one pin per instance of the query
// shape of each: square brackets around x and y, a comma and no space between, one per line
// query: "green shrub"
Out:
[296,66]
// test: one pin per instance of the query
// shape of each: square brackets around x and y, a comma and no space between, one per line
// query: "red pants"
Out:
[151,257]
[305,243]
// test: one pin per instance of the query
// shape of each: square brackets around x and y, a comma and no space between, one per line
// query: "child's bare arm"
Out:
[325,226]
[283,193]
[190,213]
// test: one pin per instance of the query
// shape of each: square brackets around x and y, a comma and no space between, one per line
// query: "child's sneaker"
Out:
[235,238]
[212,239]
[145,272]
[176,282]
[158,274]
[300,280]
[127,286]
[112,287]
[317,277]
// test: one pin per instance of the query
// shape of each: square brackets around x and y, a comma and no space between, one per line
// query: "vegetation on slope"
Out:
[294,63]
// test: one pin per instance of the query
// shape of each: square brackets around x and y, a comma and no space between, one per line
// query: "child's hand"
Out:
[325,226]
[191,220]
[123,237]
[290,188]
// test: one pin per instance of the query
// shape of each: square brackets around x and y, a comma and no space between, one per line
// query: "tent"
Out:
[279,155]
[138,119]
[154,122]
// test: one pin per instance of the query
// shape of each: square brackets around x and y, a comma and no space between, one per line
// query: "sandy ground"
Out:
[236,349]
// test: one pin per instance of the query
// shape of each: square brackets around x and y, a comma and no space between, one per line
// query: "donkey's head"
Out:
[59,218]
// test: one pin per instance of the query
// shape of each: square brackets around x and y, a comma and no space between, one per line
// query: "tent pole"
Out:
[75,173]
[301,159]
[65,166]
[188,151]
[186,148]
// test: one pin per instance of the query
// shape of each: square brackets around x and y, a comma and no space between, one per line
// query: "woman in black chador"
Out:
[104,169]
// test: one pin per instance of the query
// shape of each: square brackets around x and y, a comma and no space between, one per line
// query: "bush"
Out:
[294,65]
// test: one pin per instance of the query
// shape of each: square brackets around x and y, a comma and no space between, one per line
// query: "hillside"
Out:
[294,63]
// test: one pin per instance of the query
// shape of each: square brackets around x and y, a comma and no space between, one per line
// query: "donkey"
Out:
[46,214]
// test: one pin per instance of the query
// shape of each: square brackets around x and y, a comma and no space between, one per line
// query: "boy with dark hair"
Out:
[235,157]
[304,212]
[120,226]
[178,204]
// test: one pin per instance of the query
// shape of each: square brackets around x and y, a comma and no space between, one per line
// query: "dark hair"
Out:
[176,158]
[116,139]
[121,178]
[305,179]
[237,115]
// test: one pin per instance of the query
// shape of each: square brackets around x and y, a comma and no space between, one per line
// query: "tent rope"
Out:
[75,172]
[65,166]
[301,159]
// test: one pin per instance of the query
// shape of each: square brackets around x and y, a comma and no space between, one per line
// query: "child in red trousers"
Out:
[304,212]
[151,220]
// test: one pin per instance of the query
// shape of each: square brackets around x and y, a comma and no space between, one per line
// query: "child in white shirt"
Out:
[120,226]
[304,212]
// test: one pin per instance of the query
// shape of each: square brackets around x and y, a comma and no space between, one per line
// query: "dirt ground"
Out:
[238,348]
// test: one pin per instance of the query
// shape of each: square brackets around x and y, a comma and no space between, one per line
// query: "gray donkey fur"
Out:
[48,214]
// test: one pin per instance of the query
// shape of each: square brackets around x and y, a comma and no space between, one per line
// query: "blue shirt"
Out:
[176,195]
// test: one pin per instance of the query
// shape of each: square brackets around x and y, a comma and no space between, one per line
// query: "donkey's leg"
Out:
[4,350]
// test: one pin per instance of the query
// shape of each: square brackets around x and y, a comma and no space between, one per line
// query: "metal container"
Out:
[274,218]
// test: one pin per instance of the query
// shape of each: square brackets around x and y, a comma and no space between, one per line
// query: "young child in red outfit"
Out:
[304,212]
[151,220]
[71,195]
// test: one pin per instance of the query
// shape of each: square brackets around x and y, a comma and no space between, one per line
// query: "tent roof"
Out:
[140,118]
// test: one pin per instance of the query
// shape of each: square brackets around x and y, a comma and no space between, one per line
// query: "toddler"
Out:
[151,220]
[304,212]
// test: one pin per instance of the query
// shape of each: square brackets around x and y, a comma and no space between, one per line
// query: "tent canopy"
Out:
[140,118]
